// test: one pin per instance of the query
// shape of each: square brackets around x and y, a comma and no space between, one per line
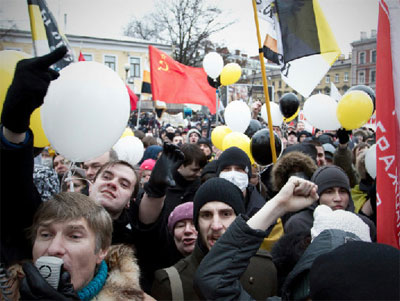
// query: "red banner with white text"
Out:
[387,123]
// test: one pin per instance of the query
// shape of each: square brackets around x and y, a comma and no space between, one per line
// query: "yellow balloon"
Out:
[127,132]
[289,119]
[8,61]
[354,109]
[218,134]
[230,74]
[239,140]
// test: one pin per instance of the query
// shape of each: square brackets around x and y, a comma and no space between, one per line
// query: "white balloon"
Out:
[320,112]
[370,161]
[129,149]
[237,116]
[276,115]
[213,64]
[85,111]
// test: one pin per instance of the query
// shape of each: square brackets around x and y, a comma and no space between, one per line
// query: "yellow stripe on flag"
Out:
[330,50]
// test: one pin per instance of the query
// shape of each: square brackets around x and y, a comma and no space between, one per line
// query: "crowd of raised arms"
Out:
[188,221]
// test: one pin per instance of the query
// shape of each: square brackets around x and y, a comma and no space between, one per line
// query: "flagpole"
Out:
[138,116]
[265,84]
[216,106]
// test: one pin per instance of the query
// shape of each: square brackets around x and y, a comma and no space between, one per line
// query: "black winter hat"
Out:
[234,156]
[306,148]
[330,176]
[205,141]
[356,270]
[221,190]
[299,134]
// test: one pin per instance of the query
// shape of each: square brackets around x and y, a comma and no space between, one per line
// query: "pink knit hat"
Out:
[181,212]
[148,164]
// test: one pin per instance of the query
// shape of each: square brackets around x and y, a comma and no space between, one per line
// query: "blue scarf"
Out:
[97,283]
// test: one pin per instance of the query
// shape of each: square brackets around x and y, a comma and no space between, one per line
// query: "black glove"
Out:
[343,136]
[35,287]
[162,174]
[28,89]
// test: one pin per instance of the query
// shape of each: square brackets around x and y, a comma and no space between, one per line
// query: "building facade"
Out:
[363,65]
[126,56]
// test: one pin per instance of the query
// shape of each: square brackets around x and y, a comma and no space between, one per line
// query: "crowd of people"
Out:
[189,221]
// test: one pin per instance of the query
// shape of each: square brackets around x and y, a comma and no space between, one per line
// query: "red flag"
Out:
[132,97]
[388,125]
[81,57]
[174,82]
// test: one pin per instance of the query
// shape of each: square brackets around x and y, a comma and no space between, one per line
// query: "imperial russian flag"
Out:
[173,82]
[300,40]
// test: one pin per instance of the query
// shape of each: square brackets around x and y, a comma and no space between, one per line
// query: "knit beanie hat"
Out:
[330,176]
[192,130]
[220,190]
[148,164]
[326,218]
[234,156]
[304,132]
[205,141]
[357,270]
[181,212]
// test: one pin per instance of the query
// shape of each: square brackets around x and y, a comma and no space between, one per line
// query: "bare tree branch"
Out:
[186,24]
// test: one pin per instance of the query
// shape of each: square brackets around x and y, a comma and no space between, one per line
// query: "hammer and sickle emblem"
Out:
[163,64]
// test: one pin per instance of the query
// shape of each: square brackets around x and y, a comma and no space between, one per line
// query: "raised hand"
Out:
[31,80]
[162,175]
[297,194]
[343,136]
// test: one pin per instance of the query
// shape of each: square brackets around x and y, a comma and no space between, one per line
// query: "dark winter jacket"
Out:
[254,200]
[258,279]
[343,157]
[233,271]
[19,199]
[297,286]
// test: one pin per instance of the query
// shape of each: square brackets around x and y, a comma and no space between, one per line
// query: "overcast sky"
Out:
[108,17]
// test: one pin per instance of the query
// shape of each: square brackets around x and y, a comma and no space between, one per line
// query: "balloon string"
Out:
[69,176]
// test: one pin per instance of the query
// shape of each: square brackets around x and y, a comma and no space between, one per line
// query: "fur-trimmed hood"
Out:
[122,280]
[289,164]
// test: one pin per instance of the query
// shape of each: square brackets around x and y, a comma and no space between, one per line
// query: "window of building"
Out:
[280,84]
[361,77]
[327,79]
[135,66]
[373,56]
[362,58]
[346,77]
[110,61]
[372,76]
[88,56]
[336,78]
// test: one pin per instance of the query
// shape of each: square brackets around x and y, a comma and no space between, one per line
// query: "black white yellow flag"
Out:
[298,39]
[45,33]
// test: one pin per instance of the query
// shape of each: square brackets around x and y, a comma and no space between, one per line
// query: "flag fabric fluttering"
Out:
[299,40]
[146,82]
[132,98]
[45,33]
[335,94]
[388,123]
[81,57]
[174,82]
